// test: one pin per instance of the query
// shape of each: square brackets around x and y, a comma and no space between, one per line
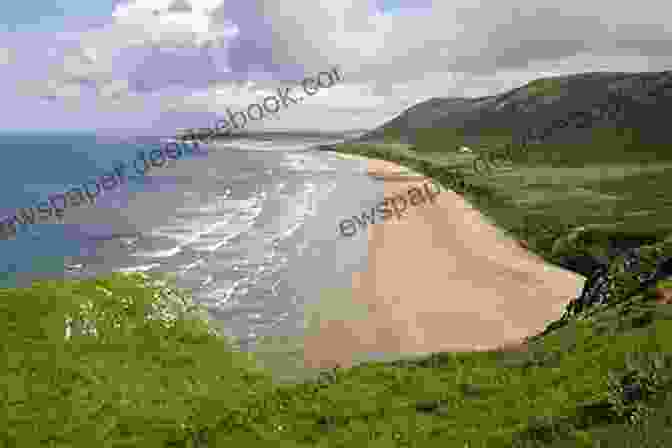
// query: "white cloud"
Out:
[481,37]
[113,89]
[83,63]
[128,102]
[155,22]
[389,61]
[50,88]
[6,56]
[144,23]
[343,106]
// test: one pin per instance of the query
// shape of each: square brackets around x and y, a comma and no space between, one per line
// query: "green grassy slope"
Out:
[154,375]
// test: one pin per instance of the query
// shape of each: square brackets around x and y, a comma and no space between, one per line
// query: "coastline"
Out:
[512,292]
[434,332]
[381,169]
[561,372]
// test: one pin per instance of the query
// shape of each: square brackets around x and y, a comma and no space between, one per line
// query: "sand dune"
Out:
[442,279]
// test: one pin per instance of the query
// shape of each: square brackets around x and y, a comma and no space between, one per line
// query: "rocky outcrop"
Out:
[632,272]
[587,248]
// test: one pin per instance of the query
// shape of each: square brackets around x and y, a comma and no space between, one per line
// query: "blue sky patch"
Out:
[50,15]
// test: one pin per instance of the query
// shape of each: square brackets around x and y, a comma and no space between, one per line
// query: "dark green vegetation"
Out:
[624,100]
[154,373]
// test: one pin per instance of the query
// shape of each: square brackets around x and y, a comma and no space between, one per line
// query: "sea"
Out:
[249,226]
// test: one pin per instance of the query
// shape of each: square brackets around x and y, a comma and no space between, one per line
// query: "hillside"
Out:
[592,154]
[632,100]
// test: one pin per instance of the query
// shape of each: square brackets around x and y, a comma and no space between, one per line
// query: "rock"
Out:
[582,251]
[634,271]
[595,290]
[587,248]
[639,269]
[632,393]
[584,263]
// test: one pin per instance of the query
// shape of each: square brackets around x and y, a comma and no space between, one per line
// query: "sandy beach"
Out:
[441,279]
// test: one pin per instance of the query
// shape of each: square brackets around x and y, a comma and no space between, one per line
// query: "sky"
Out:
[156,65]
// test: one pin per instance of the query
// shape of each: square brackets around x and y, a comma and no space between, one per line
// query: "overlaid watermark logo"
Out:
[496,157]
[613,109]
[271,104]
[90,190]
[576,119]
[389,207]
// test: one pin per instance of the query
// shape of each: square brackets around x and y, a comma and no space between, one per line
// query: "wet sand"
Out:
[442,278]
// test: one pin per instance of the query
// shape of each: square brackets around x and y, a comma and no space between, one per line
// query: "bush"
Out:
[644,375]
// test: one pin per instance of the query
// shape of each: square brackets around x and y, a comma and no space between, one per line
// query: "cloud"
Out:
[209,48]
[97,56]
[471,36]
[113,89]
[180,6]
[6,56]
[343,106]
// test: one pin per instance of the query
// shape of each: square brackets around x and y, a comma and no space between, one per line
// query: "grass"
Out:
[139,366]
[129,360]
[143,368]
[614,182]
[544,87]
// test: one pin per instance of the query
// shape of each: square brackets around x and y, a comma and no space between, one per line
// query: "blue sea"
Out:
[250,226]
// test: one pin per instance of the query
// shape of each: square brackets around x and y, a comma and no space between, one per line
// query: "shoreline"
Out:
[512,292]
[561,369]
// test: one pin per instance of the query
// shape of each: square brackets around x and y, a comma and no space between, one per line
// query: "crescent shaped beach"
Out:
[444,278]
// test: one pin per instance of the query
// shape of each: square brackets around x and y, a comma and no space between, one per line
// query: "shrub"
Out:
[644,375]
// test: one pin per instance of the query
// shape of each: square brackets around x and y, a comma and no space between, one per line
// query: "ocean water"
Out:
[250,226]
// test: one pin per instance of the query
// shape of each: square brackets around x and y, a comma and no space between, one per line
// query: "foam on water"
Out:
[139,268]
[231,228]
